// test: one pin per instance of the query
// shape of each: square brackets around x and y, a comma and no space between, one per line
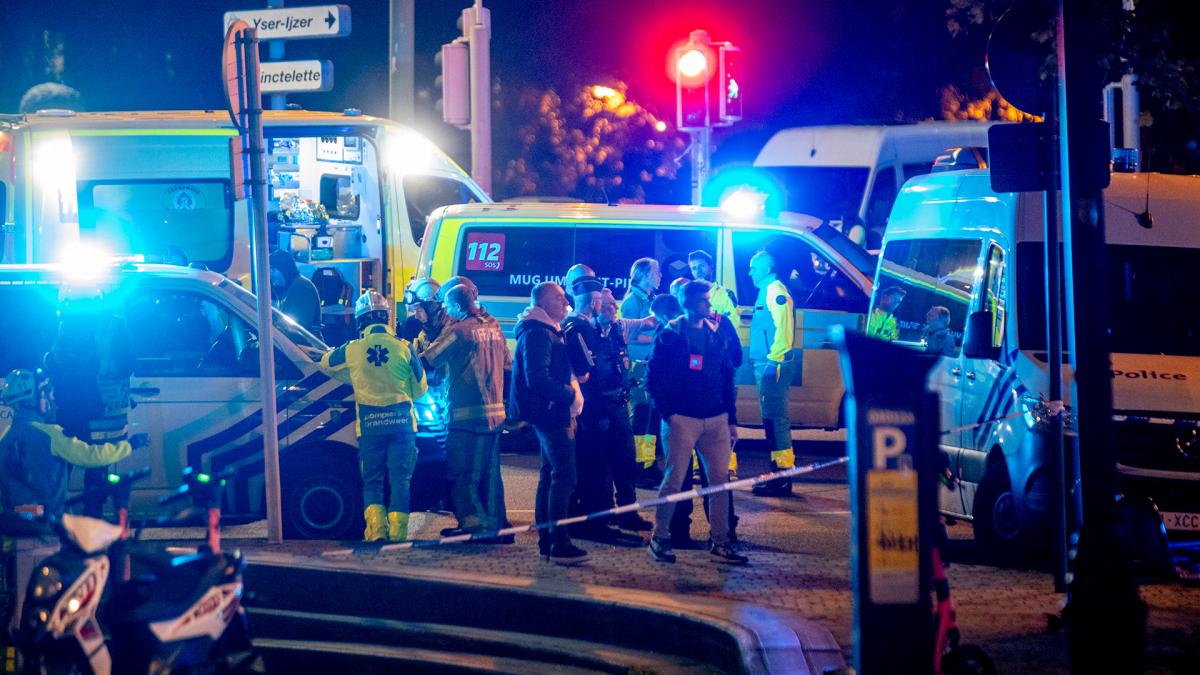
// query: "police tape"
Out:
[976,425]
[626,508]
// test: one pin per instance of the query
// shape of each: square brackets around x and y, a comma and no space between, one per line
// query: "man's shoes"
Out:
[727,554]
[686,543]
[452,531]
[634,523]
[780,487]
[566,553]
[661,551]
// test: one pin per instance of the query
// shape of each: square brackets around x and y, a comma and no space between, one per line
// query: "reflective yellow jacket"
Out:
[773,327]
[386,375]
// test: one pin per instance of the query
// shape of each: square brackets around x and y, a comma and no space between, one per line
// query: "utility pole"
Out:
[1105,617]
[401,81]
[477,29]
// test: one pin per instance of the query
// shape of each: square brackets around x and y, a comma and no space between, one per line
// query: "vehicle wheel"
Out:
[999,532]
[322,500]
[967,660]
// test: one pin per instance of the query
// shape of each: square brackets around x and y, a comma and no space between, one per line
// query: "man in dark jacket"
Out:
[293,293]
[546,394]
[690,382]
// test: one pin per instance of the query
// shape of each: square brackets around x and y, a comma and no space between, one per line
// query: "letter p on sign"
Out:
[888,442]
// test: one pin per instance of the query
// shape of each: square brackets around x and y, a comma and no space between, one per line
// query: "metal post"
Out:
[262,284]
[1054,353]
[477,28]
[401,80]
[275,52]
[1105,617]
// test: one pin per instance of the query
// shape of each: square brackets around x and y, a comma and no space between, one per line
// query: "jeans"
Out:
[556,480]
[394,456]
[477,493]
[710,438]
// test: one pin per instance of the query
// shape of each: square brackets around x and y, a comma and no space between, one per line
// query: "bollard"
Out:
[892,431]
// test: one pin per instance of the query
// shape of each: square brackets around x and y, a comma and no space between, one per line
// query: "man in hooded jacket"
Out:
[293,293]
[546,394]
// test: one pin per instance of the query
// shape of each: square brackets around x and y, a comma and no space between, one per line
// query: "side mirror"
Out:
[978,342]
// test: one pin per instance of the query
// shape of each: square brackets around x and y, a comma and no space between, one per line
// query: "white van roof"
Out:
[862,145]
[672,215]
[935,204]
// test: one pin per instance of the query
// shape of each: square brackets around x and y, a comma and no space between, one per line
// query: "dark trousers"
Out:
[477,493]
[556,480]
[604,453]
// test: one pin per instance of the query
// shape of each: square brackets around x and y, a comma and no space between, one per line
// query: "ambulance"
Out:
[196,392]
[507,249]
[954,243]
[348,194]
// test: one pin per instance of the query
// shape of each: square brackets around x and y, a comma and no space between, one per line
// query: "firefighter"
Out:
[387,378]
[772,332]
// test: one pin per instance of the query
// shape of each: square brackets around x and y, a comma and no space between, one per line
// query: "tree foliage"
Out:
[592,144]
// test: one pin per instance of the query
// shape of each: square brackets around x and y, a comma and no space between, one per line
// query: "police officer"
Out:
[91,361]
[387,377]
[604,441]
[772,332]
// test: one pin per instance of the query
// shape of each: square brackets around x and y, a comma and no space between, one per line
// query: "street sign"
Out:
[291,23]
[231,67]
[277,77]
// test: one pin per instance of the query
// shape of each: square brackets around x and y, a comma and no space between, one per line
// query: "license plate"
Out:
[1181,521]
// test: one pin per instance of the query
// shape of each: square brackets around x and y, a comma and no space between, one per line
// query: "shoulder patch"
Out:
[781,299]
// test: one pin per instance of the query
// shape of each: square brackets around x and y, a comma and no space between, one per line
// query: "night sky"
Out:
[806,62]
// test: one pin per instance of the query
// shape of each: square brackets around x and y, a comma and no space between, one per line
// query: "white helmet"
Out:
[369,306]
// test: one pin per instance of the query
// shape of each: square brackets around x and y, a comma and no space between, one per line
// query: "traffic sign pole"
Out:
[276,52]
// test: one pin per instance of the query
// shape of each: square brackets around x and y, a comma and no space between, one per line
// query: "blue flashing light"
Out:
[742,182]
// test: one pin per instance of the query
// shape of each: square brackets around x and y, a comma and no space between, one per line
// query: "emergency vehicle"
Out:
[507,249]
[953,242]
[348,193]
[855,171]
[196,393]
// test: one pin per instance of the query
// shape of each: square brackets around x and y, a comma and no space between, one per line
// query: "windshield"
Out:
[1150,293]
[310,344]
[822,191]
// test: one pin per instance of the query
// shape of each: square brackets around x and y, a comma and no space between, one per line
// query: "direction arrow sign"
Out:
[290,23]
[278,77]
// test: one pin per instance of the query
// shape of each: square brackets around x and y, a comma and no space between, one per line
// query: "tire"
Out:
[322,499]
[1000,535]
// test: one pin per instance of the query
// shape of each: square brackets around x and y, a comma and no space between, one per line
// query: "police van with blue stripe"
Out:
[953,243]
[196,393]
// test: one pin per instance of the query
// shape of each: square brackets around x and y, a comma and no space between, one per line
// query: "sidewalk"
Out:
[799,551]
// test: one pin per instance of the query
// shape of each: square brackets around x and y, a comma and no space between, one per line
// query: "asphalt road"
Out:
[799,549]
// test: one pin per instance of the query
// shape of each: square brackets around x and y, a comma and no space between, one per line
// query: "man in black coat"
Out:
[546,394]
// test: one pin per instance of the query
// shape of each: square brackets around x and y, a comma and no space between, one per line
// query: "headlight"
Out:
[47,584]
[1038,412]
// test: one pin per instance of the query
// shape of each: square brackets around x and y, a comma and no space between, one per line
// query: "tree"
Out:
[1153,42]
[595,144]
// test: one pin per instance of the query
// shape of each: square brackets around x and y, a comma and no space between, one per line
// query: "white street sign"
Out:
[290,23]
[278,77]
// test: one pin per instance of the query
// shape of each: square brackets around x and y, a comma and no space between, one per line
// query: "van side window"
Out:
[181,334]
[424,194]
[812,279]
[932,273]
[883,195]
[509,260]
[994,292]
[610,251]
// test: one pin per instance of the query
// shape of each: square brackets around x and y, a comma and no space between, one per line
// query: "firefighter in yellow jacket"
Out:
[387,378]
[772,332]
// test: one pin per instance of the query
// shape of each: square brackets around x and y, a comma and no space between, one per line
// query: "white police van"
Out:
[953,242]
[196,392]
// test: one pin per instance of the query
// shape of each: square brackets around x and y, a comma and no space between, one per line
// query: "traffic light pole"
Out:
[477,28]
[701,159]
[401,37]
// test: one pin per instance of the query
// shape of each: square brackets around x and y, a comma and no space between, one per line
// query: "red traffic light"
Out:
[692,63]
